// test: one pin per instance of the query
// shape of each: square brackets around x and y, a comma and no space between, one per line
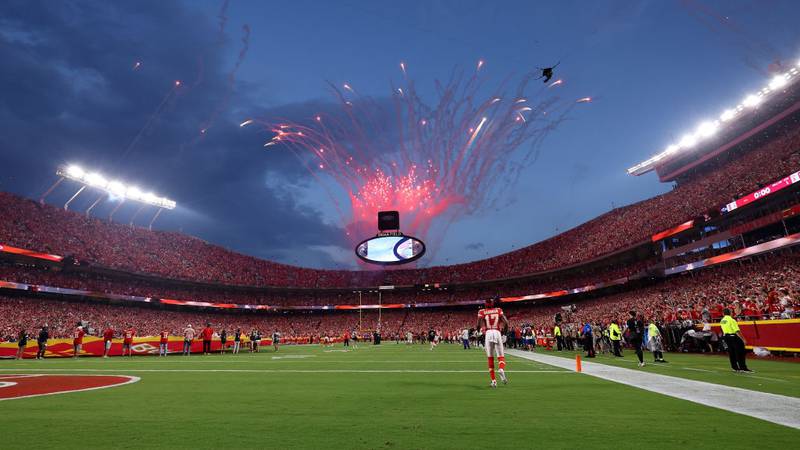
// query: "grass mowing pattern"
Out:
[391,396]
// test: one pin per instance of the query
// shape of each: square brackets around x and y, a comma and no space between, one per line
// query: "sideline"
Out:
[774,408]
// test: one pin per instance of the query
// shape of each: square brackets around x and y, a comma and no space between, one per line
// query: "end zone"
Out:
[37,385]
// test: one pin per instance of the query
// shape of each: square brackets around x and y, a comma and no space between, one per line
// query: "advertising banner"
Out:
[29,253]
[763,192]
[774,335]
[93,346]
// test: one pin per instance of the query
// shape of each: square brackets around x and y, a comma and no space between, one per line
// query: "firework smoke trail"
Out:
[222,18]
[231,83]
[152,118]
[441,161]
[754,50]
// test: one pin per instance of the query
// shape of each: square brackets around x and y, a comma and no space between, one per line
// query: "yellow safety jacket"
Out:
[729,325]
[614,332]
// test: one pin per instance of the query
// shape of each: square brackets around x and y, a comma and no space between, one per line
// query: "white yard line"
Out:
[697,370]
[290,370]
[269,362]
[774,408]
[290,359]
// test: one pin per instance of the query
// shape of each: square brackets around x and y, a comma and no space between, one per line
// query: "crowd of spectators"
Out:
[766,288]
[45,228]
[90,280]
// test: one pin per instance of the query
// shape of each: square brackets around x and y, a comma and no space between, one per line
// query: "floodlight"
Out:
[729,114]
[688,141]
[116,188]
[75,171]
[707,129]
[778,82]
[133,193]
[751,100]
[150,198]
[96,180]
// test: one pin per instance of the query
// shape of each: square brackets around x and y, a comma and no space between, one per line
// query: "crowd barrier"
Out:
[775,335]
[93,346]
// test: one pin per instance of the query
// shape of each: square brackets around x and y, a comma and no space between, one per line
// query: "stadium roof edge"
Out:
[731,121]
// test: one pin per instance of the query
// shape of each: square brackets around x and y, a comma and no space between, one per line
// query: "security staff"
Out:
[734,341]
[559,338]
[588,341]
[615,334]
[656,345]
[635,335]
[44,335]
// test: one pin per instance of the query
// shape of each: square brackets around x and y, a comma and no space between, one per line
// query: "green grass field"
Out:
[390,396]
[774,376]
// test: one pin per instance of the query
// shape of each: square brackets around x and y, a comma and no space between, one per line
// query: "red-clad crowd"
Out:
[765,288]
[95,282]
[49,229]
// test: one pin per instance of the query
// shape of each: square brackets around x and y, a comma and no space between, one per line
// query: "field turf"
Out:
[773,376]
[388,396]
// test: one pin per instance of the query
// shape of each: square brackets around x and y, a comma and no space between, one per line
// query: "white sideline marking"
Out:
[694,369]
[774,408]
[295,370]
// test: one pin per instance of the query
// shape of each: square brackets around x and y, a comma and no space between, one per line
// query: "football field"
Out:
[387,396]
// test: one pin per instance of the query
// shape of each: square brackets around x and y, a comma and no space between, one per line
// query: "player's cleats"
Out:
[493,384]
[502,374]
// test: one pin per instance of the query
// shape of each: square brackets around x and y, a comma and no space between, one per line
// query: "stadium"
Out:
[117,332]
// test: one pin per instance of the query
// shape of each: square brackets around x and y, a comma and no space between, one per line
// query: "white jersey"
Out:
[490,319]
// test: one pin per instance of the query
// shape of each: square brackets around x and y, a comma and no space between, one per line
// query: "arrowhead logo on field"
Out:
[35,385]
[293,357]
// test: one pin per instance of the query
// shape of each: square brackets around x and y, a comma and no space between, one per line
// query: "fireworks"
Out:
[428,161]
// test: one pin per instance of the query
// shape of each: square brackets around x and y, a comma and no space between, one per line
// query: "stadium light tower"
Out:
[779,84]
[109,188]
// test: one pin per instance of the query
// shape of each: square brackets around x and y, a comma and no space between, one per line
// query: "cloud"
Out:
[71,95]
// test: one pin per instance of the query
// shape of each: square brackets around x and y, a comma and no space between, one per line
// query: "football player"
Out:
[494,322]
